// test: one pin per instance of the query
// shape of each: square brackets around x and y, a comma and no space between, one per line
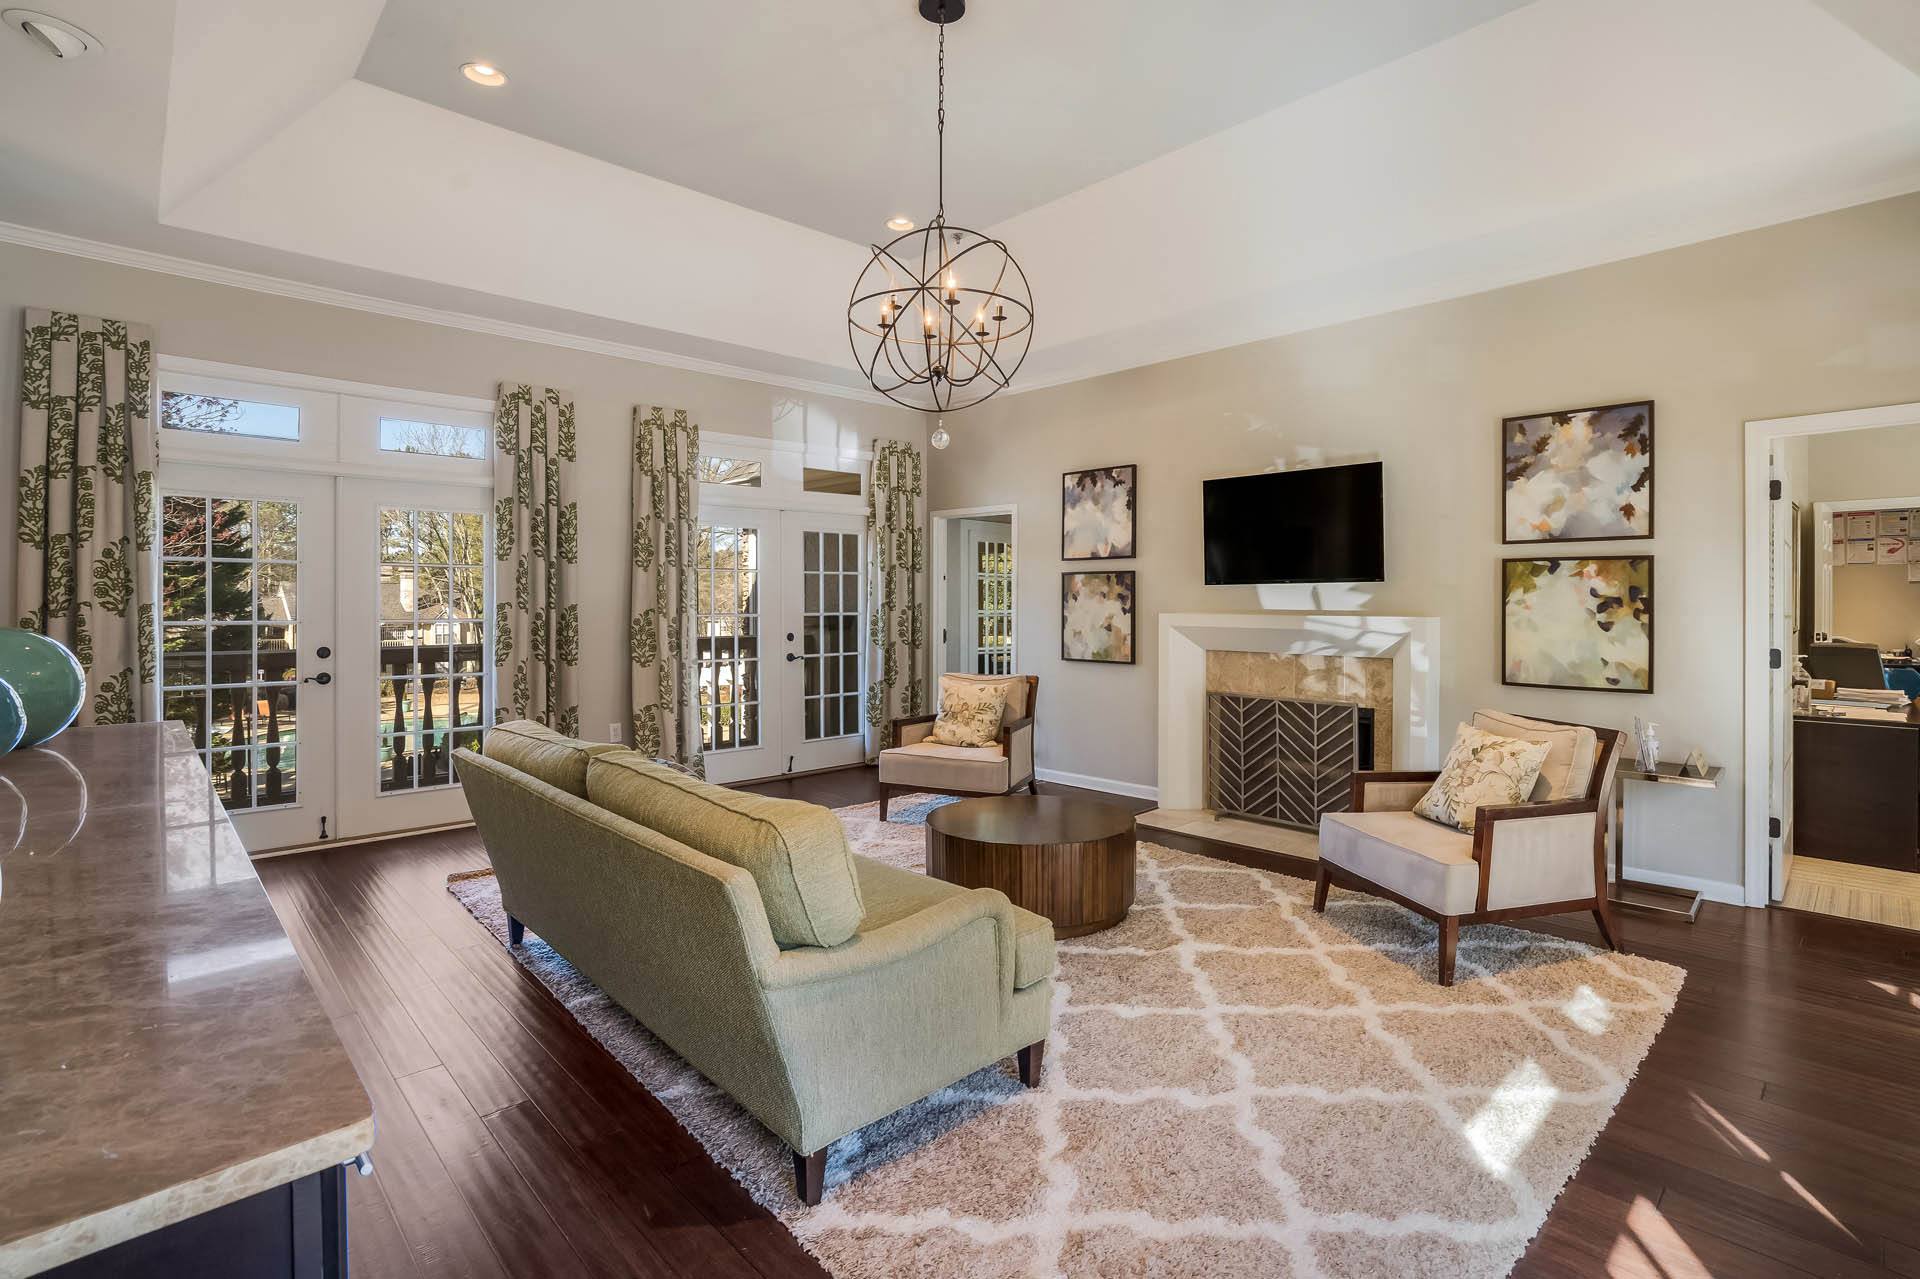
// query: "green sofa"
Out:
[818,988]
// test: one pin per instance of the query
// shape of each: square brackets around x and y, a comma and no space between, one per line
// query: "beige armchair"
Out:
[912,763]
[1543,857]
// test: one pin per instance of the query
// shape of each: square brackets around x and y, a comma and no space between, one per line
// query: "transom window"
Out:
[435,439]
[432,685]
[738,471]
[223,415]
[229,609]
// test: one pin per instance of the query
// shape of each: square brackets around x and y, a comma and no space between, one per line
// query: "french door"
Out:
[247,641]
[779,641]
[987,596]
[324,640]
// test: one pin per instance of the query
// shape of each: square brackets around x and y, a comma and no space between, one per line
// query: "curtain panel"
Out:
[896,558]
[660,635]
[83,546]
[536,530]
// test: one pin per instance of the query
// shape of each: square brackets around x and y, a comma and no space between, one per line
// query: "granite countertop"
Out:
[161,1052]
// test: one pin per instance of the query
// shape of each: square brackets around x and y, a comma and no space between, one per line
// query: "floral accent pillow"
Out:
[970,713]
[1482,768]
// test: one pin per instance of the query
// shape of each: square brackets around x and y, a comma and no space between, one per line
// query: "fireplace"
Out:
[1284,760]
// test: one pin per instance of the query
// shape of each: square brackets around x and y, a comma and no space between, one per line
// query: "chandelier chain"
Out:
[940,119]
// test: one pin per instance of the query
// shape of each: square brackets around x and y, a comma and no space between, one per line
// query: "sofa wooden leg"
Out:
[1449,940]
[1322,880]
[810,1176]
[1032,1060]
[1033,786]
[515,931]
[886,793]
[1603,916]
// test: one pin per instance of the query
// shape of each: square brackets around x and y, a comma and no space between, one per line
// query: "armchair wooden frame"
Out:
[1007,729]
[1485,820]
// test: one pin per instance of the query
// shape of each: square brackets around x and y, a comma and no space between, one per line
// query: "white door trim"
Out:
[1761,435]
[937,530]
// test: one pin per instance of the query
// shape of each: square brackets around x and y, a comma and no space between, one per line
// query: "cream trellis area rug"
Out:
[1234,1086]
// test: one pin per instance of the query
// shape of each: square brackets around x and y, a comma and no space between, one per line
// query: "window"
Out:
[820,479]
[432,684]
[228,612]
[222,415]
[435,439]
[729,470]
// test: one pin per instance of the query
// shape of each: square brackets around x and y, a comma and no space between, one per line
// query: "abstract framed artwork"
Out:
[1096,617]
[1097,513]
[1578,623]
[1585,475]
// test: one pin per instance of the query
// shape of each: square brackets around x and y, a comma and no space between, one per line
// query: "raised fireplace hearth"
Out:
[1282,759]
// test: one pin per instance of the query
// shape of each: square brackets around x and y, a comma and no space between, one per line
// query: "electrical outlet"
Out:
[616,733]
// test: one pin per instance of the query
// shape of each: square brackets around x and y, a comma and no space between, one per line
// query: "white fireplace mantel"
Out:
[1413,644]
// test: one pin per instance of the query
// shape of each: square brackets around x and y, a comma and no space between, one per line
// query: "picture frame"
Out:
[1099,513]
[1578,622]
[1551,492]
[1098,615]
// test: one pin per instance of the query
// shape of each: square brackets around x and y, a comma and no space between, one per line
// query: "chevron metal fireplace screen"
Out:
[1286,761]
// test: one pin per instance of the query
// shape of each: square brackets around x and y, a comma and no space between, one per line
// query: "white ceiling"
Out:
[1216,173]
[822,113]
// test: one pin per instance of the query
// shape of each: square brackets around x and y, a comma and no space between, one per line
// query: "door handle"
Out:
[793,657]
[322,679]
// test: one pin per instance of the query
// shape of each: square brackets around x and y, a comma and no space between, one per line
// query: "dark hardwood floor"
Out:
[1774,1129]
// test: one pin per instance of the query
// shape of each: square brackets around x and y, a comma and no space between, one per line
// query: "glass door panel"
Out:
[246,602]
[987,622]
[414,565]
[728,603]
[822,698]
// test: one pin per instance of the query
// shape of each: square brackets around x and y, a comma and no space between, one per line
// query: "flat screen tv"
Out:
[1323,524]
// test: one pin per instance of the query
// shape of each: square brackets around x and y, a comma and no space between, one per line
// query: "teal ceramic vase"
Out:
[13,718]
[47,679]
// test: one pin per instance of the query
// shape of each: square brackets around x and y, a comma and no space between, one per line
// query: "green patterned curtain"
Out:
[83,553]
[896,557]
[536,556]
[666,494]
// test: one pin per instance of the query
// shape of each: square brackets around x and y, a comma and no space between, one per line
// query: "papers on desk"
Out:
[1871,696]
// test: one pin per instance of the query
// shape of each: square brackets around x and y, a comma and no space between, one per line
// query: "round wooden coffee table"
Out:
[1068,859]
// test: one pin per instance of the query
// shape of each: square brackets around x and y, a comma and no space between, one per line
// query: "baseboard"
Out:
[1133,790]
[1712,889]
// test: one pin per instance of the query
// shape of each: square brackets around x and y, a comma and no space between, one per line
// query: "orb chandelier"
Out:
[941,318]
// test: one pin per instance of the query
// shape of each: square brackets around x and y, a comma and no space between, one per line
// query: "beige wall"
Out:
[215,322]
[1870,601]
[1810,316]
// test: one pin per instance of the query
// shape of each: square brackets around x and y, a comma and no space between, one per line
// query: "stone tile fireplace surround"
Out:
[1390,664]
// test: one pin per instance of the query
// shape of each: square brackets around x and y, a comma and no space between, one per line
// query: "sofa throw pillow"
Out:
[1482,768]
[970,713]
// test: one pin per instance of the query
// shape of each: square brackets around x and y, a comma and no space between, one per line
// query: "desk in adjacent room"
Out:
[1856,785]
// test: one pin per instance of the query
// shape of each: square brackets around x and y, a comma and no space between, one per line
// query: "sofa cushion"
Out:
[797,853]
[893,894]
[1572,750]
[1420,860]
[538,751]
[937,767]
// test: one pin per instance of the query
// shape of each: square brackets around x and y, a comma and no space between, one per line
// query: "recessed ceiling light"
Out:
[899,224]
[483,73]
[61,39]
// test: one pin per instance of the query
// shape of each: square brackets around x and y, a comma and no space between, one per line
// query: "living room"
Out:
[530,756]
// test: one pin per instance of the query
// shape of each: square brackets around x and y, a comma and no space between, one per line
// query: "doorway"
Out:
[1833,780]
[975,576]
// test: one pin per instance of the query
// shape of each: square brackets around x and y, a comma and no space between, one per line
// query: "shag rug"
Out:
[1234,1086]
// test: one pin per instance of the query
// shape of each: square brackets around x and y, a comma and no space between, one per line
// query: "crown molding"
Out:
[257,282]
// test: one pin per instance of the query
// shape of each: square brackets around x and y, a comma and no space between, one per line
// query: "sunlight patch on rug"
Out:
[1234,1086]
